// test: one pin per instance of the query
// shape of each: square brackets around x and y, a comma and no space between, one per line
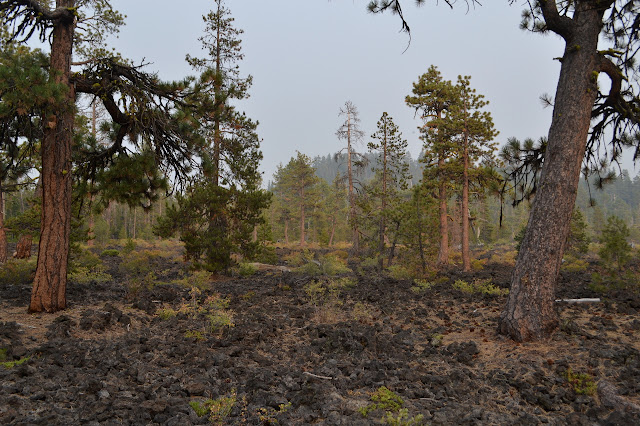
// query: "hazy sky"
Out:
[308,57]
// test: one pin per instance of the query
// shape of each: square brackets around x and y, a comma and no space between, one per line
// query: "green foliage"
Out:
[383,399]
[129,246]
[325,265]
[194,334]
[18,271]
[198,279]
[217,409]
[95,275]
[247,269]
[480,287]
[166,313]
[268,415]
[110,252]
[422,285]
[572,264]
[402,419]
[11,364]
[399,272]
[616,250]
[582,383]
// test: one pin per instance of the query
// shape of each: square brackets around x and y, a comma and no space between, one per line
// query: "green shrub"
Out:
[84,276]
[402,418]
[616,250]
[218,409]
[129,246]
[582,383]
[11,364]
[247,269]
[481,287]
[572,264]
[422,285]
[18,271]
[399,272]
[198,279]
[166,313]
[369,263]
[110,252]
[83,259]
[383,399]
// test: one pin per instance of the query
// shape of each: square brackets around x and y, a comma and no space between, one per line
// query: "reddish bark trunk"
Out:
[466,257]
[530,312]
[443,252]
[3,233]
[23,248]
[49,286]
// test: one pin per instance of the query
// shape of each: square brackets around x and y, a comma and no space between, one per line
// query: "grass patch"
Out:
[110,253]
[95,275]
[422,285]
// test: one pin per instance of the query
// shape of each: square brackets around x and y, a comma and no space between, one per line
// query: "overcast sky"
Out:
[308,57]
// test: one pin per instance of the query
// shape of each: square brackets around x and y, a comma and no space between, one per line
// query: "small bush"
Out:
[422,285]
[218,409]
[129,246]
[83,259]
[18,271]
[402,419]
[383,399]
[399,272]
[573,264]
[478,264]
[247,269]
[369,263]
[481,287]
[198,279]
[110,253]
[11,364]
[166,313]
[582,383]
[198,336]
[85,276]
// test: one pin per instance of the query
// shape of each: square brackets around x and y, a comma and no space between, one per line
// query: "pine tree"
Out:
[227,193]
[431,98]
[391,170]
[472,128]
[139,103]
[297,184]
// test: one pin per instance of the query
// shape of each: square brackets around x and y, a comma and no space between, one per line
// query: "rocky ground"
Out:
[280,347]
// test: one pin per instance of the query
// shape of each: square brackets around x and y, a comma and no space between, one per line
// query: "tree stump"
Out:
[23,249]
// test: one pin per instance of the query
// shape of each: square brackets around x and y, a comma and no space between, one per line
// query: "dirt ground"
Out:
[280,347]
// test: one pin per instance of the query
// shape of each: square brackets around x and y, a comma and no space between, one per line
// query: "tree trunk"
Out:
[443,252]
[286,231]
[302,220]
[466,258]
[49,285]
[530,312]
[23,248]
[3,233]
[333,231]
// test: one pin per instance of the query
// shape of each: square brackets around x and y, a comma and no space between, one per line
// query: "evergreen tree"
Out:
[616,250]
[392,176]
[139,103]
[431,98]
[225,201]
[472,128]
[298,183]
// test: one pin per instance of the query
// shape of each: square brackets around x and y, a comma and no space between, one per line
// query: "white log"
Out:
[587,300]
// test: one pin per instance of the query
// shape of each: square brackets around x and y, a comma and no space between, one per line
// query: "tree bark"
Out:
[23,248]
[3,233]
[443,252]
[49,286]
[302,218]
[466,257]
[530,312]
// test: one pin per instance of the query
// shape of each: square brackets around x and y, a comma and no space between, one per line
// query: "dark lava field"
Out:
[275,346]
